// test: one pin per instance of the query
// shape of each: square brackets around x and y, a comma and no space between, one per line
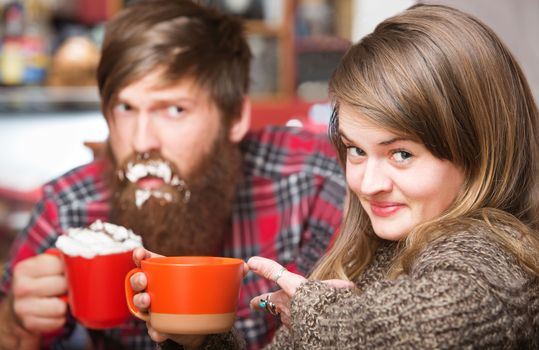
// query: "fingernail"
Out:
[140,279]
[253,262]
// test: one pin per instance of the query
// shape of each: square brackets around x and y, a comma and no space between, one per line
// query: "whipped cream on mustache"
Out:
[136,171]
[100,238]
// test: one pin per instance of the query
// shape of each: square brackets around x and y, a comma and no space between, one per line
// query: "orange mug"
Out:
[189,294]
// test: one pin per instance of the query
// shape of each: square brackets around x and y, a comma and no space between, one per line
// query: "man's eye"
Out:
[174,111]
[122,109]
[402,156]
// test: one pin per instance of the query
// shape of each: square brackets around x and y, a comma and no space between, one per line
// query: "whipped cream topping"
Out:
[100,238]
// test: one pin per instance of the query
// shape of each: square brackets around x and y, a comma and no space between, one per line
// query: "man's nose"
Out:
[375,178]
[145,136]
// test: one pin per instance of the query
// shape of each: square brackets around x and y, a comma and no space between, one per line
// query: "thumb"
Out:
[245,269]
[140,254]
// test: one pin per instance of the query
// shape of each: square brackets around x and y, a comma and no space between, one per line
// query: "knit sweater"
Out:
[464,292]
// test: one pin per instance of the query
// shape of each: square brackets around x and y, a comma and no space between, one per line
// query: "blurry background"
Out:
[49,50]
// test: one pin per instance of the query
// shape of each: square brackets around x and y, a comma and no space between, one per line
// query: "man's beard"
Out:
[193,219]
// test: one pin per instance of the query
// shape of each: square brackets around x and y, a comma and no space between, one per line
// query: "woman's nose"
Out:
[375,178]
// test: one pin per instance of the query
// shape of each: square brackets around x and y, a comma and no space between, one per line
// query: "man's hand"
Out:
[32,306]
[12,336]
[139,282]
[37,283]
[142,303]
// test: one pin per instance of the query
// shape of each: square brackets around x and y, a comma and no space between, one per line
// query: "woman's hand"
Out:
[287,280]
[289,283]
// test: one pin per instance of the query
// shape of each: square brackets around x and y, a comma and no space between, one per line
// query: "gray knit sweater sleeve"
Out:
[464,292]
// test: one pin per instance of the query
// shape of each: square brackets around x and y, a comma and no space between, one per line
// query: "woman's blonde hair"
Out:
[443,78]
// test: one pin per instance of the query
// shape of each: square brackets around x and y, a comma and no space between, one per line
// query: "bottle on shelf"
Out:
[24,43]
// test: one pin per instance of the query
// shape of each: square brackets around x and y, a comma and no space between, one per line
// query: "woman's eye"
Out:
[401,156]
[353,151]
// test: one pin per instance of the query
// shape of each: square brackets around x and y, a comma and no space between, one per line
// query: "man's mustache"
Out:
[139,166]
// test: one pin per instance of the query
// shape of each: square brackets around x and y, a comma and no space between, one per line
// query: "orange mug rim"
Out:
[169,261]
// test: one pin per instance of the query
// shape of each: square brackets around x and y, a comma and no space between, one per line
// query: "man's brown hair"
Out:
[184,40]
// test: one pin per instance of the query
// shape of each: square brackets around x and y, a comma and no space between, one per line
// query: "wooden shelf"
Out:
[260,27]
[46,99]
[284,34]
[322,43]
[279,37]
[291,49]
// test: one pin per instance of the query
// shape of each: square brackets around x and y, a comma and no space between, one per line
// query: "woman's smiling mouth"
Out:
[385,209]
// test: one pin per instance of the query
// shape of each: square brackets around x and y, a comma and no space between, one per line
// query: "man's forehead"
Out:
[157,85]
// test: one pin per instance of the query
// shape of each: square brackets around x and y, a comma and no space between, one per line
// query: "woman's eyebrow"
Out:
[343,135]
[393,140]
[381,143]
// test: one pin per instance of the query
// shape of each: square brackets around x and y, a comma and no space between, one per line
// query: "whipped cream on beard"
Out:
[100,238]
[199,213]
[156,168]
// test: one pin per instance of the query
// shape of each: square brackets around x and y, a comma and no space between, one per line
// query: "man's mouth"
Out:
[150,183]
[151,175]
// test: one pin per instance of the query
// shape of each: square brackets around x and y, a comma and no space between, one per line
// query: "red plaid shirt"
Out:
[287,208]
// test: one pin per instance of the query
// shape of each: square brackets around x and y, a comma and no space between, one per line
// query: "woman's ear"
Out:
[240,126]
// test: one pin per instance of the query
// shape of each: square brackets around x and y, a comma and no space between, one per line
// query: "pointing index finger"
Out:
[272,270]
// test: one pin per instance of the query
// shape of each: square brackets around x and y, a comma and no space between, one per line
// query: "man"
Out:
[182,170]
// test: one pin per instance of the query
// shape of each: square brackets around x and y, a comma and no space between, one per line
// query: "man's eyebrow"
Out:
[158,100]
[122,99]
[173,100]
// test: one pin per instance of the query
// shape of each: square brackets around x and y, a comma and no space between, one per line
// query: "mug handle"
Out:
[129,294]
[56,252]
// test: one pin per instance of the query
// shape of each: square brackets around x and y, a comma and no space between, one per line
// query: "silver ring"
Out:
[278,274]
[271,307]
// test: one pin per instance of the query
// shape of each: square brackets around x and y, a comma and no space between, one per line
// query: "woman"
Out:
[438,132]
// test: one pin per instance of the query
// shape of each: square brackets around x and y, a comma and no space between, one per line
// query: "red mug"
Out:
[95,287]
